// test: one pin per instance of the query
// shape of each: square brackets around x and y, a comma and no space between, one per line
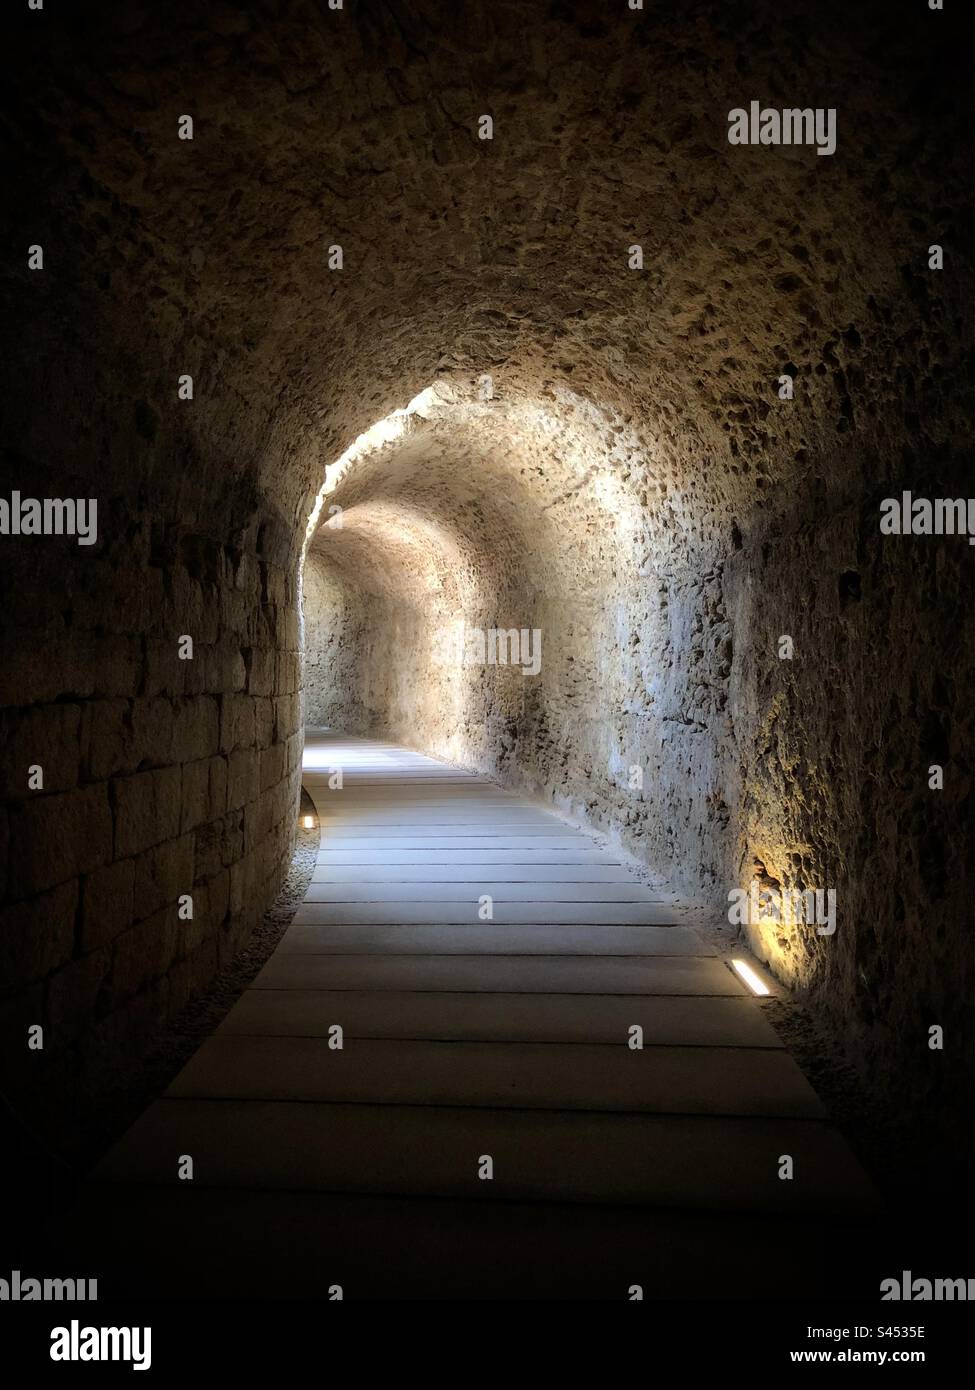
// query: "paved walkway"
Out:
[474,1044]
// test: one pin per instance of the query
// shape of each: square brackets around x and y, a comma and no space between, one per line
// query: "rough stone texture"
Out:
[635,488]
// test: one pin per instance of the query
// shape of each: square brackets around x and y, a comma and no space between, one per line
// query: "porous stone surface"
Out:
[634,488]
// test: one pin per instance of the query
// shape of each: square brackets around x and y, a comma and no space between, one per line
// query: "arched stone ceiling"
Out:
[465,500]
[358,128]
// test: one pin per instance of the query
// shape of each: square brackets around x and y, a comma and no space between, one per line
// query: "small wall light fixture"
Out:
[308,822]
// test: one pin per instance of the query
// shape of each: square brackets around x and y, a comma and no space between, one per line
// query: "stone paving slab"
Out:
[485,938]
[572,1076]
[693,975]
[559,1018]
[714,1163]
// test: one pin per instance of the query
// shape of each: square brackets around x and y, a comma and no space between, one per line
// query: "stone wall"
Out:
[162,777]
[336,650]
[830,763]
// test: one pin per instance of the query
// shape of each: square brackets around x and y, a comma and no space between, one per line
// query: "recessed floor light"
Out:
[751,978]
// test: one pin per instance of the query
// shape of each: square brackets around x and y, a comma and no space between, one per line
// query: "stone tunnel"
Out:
[449,381]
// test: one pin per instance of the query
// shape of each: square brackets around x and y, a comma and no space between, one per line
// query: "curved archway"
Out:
[514,516]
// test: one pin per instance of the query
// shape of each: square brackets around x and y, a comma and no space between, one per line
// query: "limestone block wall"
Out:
[160,826]
[336,644]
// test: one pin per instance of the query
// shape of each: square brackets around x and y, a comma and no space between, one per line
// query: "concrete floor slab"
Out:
[488,938]
[435,854]
[509,974]
[422,912]
[215,1243]
[456,838]
[569,1076]
[703,1162]
[504,875]
[687,1020]
[469,890]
